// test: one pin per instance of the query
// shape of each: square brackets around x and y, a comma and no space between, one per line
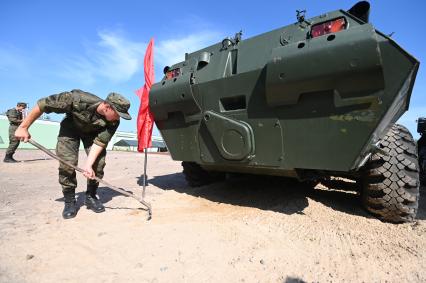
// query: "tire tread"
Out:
[391,182]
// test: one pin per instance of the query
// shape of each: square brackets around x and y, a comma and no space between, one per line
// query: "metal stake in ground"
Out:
[144,172]
[112,187]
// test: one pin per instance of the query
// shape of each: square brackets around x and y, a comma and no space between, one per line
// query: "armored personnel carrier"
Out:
[313,100]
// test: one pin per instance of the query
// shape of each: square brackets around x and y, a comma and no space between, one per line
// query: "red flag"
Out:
[145,118]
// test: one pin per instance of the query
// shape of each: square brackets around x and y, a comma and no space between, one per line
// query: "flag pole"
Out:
[145,119]
[144,172]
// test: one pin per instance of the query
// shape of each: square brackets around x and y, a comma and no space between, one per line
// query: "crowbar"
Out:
[112,187]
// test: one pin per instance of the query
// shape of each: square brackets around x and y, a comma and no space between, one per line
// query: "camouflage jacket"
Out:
[80,108]
[14,116]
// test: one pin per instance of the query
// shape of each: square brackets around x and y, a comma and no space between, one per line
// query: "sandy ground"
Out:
[256,230]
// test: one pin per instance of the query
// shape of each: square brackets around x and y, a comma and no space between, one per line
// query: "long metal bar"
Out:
[112,187]
[144,172]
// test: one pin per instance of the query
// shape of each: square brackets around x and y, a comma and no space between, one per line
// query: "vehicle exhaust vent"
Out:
[233,103]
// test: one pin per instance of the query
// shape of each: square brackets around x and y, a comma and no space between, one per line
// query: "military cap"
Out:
[21,104]
[120,104]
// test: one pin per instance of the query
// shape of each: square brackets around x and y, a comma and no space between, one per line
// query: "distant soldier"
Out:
[15,119]
[89,119]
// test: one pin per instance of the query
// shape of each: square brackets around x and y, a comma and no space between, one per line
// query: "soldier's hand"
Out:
[88,172]
[22,134]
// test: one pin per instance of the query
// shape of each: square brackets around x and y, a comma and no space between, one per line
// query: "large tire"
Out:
[391,181]
[196,176]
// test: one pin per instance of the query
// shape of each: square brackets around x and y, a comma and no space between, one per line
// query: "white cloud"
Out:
[117,58]
[172,51]
[113,57]
[120,59]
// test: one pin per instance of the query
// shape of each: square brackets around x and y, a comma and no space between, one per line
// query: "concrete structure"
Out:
[46,133]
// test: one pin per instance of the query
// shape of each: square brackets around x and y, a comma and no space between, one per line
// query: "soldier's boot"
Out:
[92,202]
[70,208]
[8,158]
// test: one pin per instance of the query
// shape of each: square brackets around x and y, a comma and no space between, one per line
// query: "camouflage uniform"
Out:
[15,119]
[82,122]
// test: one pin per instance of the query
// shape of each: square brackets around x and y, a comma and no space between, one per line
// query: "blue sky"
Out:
[51,46]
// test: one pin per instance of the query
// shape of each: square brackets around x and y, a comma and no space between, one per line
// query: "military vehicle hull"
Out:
[301,101]
[421,149]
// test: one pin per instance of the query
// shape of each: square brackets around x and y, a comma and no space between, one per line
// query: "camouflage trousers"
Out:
[67,148]
[13,142]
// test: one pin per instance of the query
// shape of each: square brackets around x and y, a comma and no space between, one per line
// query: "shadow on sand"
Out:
[105,195]
[293,280]
[265,192]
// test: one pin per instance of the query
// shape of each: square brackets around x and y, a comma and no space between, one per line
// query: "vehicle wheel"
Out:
[391,182]
[196,176]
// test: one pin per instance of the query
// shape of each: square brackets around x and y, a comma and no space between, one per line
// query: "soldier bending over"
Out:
[89,119]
